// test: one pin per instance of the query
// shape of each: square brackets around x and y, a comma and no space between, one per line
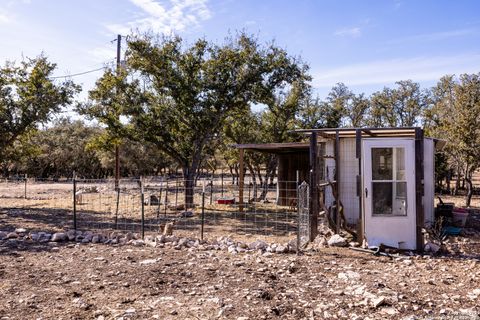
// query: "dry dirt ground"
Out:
[97,281]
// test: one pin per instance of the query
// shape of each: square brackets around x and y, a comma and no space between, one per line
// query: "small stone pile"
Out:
[177,243]
[172,241]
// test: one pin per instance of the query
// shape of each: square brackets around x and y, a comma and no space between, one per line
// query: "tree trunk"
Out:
[449,178]
[269,172]
[457,182]
[260,183]
[468,180]
[236,175]
[467,170]
[189,184]
[254,181]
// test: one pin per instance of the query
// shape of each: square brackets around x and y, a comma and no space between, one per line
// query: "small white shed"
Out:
[382,177]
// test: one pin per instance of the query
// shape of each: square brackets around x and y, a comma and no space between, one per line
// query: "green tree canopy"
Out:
[29,97]
[455,116]
[187,92]
[403,106]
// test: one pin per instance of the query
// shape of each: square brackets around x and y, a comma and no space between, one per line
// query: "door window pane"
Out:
[400,199]
[382,161]
[401,190]
[382,197]
[389,186]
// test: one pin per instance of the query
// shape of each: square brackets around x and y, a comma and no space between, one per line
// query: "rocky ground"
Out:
[49,272]
[168,278]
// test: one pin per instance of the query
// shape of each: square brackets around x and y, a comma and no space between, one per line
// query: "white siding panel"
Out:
[348,179]
[429,180]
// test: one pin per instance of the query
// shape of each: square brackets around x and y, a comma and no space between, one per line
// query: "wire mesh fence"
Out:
[147,205]
[303,234]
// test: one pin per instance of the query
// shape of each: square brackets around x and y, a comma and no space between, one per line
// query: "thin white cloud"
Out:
[397,4]
[349,32]
[389,71]
[8,11]
[435,36]
[5,17]
[165,17]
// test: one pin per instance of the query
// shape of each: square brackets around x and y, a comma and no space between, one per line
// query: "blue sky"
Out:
[365,44]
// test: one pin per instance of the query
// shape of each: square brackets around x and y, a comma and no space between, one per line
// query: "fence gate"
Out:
[303,234]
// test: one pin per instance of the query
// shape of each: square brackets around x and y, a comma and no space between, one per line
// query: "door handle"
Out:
[366,193]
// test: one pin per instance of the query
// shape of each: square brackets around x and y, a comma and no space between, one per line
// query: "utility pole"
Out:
[117,152]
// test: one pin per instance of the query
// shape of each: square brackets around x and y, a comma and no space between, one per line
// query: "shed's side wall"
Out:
[429,180]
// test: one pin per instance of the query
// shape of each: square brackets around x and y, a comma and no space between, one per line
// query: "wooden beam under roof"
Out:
[275,147]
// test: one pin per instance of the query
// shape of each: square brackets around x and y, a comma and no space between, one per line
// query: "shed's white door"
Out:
[389,192]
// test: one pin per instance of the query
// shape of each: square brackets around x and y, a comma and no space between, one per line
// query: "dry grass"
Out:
[50,202]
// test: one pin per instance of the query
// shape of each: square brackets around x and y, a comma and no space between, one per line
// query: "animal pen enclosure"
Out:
[146,205]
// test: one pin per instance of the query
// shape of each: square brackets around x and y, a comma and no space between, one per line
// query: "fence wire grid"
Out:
[146,205]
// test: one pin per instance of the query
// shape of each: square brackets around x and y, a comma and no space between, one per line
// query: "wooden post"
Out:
[358,152]
[313,187]
[419,187]
[337,182]
[117,151]
[240,183]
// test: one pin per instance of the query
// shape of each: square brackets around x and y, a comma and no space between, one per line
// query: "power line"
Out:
[79,74]
[118,39]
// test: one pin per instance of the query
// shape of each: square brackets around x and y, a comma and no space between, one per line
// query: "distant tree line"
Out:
[71,146]
[178,107]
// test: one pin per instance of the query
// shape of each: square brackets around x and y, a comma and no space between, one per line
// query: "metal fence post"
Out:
[117,205]
[203,215]
[221,177]
[298,219]
[211,190]
[176,192]
[159,202]
[142,198]
[25,186]
[166,199]
[74,203]
[303,212]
